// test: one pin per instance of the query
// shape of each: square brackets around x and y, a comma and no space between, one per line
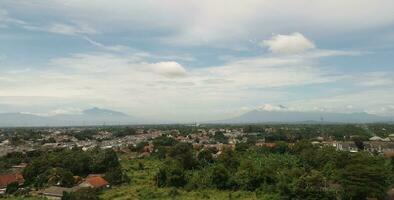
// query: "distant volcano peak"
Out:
[101,111]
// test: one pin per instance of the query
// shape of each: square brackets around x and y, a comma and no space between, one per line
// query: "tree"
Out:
[248,176]
[164,141]
[115,176]
[76,161]
[313,186]
[359,143]
[171,173]
[229,159]
[183,152]
[252,139]
[242,147]
[205,157]
[220,137]
[82,194]
[140,146]
[219,176]
[281,147]
[365,176]
[102,161]
[60,176]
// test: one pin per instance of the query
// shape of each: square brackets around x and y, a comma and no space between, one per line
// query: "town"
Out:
[138,144]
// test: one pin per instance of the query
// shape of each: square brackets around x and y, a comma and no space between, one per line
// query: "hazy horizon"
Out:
[196,60]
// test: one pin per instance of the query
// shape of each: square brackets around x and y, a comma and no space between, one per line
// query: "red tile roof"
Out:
[6,179]
[96,181]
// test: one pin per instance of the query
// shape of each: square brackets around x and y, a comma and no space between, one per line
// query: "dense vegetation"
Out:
[298,172]
[60,166]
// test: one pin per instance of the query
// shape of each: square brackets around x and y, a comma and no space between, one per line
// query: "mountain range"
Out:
[263,116]
[99,116]
[89,117]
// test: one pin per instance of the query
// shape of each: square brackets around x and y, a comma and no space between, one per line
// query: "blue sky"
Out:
[196,60]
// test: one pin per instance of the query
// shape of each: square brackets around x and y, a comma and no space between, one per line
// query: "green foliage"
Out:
[115,176]
[229,158]
[140,146]
[242,147]
[248,176]
[58,167]
[85,134]
[281,147]
[220,137]
[121,132]
[12,188]
[205,157]
[171,173]
[183,152]
[220,176]
[365,176]
[164,141]
[82,194]
[313,186]
[299,171]
[58,176]
[103,160]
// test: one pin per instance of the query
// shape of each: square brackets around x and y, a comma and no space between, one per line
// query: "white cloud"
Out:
[270,72]
[374,101]
[135,86]
[161,89]
[6,20]
[61,28]
[293,43]
[62,111]
[3,17]
[374,79]
[116,48]
[67,29]
[211,22]
[169,69]
[270,108]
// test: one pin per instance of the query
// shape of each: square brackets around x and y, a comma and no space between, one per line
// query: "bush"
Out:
[12,188]
[115,176]
[171,173]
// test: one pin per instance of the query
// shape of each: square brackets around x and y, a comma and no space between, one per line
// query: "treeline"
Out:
[301,171]
[59,167]
[295,132]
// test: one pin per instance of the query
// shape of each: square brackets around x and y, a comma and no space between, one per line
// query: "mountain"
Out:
[22,119]
[103,112]
[89,117]
[262,116]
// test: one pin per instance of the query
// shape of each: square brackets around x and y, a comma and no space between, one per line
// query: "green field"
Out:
[142,186]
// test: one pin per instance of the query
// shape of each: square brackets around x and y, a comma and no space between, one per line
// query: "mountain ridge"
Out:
[99,116]
[263,116]
[92,116]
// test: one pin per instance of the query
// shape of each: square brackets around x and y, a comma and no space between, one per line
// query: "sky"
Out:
[198,59]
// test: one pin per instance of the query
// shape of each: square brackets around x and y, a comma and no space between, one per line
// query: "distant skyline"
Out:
[196,60]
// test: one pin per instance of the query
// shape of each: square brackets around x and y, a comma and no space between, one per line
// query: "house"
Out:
[56,193]
[380,147]
[346,146]
[9,178]
[94,181]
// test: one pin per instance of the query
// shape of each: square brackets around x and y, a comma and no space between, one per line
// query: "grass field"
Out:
[142,186]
